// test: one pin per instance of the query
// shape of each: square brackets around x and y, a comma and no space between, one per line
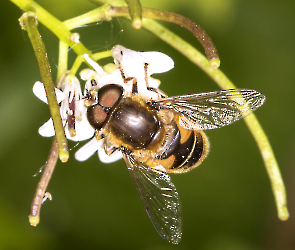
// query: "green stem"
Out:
[101,55]
[62,60]
[255,128]
[179,44]
[135,12]
[95,57]
[96,15]
[76,65]
[182,21]
[29,22]
[52,23]
[104,13]
[271,164]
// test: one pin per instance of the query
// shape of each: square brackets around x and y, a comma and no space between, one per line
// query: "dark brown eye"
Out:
[108,96]
[96,116]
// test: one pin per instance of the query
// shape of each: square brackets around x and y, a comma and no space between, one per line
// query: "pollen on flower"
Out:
[72,110]
[72,132]
[131,68]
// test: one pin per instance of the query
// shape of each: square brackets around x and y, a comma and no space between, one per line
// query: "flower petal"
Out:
[157,62]
[115,78]
[104,158]
[142,89]
[39,91]
[88,149]
[154,83]
[133,62]
[47,129]
[84,130]
[94,145]
[94,65]
[87,74]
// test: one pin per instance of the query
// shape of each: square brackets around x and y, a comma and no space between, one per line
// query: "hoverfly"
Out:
[162,135]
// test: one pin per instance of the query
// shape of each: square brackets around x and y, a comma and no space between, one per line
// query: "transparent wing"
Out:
[213,109]
[159,197]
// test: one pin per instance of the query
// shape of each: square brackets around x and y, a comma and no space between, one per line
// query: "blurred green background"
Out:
[227,201]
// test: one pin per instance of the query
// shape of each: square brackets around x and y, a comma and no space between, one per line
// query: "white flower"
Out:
[102,78]
[94,81]
[97,145]
[141,65]
[131,64]
[72,110]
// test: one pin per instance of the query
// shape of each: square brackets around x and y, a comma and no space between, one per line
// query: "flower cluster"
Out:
[130,66]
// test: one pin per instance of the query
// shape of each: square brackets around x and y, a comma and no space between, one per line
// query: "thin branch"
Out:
[182,21]
[96,15]
[29,22]
[52,23]
[135,12]
[62,60]
[106,13]
[103,13]
[101,55]
[271,164]
[77,63]
[254,126]
[34,216]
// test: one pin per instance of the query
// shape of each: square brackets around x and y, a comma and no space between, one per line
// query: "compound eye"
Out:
[109,95]
[96,116]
